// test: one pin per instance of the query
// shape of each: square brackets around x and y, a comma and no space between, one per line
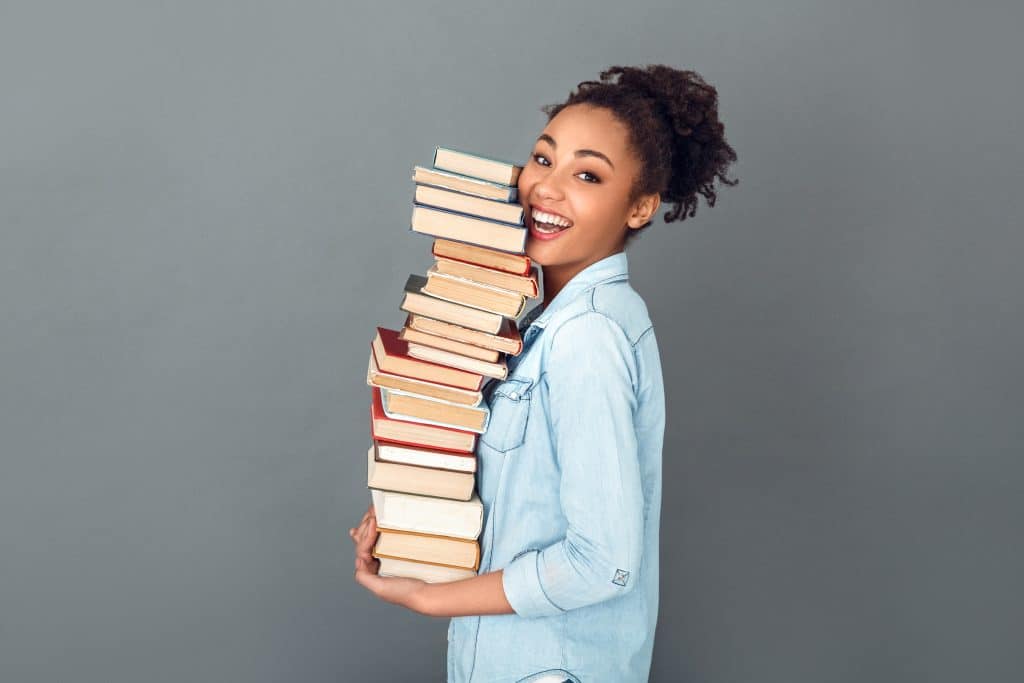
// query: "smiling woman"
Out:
[570,465]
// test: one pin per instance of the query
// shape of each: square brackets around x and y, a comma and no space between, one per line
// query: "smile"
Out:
[545,225]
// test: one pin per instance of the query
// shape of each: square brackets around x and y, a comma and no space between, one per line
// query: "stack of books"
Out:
[427,378]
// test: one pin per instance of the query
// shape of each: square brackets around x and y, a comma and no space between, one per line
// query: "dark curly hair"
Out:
[672,117]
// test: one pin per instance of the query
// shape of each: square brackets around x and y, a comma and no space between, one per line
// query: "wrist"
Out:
[422,601]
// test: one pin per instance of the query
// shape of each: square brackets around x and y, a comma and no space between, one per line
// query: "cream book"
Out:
[428,515]
[399,405]
[408,334]
[498,370]
[431,573]
[384,380]
[423,481]
[423,175]
[425,457]
[522,284]
[442,550]
[507,340]
[476,294]
[432,306]
[476,165]
[464,203]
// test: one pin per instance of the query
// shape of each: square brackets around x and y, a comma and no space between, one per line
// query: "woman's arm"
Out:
[481,594]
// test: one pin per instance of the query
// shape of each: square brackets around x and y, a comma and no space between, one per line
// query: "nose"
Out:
[549,187]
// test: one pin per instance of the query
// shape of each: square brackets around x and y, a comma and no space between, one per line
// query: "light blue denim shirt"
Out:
[570,479]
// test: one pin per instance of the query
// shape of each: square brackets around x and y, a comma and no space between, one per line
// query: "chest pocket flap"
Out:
[509,402]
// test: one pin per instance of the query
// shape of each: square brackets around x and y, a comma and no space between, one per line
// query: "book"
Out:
[432,306]
[392,356]
[415,408]
[507,340]
[477,166]
[384,428]
[407,334]
[423,481]
[470,229]
[376,378]
[497,370]
[516,264]
[440,550]
[435,177]
[428,515]
[430,573]
[463,203]
[521,284]
[425,457]
[485,297]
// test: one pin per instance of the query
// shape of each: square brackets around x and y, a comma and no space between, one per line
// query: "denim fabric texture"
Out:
[570,478]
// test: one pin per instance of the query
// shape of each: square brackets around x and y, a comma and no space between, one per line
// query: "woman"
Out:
[570,466]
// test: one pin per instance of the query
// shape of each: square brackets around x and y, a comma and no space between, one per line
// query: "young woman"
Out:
[570,466]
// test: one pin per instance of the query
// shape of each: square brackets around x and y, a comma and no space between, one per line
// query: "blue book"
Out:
[464,184]
[441,198]
[469,229]
[476,165]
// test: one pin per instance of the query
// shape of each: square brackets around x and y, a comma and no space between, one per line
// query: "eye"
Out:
[588,173]
[538,157]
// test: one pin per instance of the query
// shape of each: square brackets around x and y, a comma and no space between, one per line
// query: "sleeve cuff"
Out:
[521,582]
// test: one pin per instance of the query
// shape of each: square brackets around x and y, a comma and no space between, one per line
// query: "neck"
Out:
[556,277]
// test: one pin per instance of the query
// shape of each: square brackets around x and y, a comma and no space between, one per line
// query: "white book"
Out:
[431,573]
[429,515]
[424,457]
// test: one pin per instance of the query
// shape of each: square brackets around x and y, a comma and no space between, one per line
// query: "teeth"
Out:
[549,218]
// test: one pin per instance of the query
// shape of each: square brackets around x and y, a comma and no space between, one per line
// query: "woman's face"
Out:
[575,189]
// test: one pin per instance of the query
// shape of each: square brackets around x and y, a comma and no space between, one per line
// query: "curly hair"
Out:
[672,118]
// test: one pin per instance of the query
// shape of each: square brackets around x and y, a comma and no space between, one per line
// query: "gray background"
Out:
[204,211]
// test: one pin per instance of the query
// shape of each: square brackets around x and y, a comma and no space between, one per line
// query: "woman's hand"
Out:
[409,593]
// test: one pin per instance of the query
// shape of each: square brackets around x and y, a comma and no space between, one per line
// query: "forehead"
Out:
[581,126]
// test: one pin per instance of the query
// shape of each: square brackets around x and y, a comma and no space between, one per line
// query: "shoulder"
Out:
[611,308]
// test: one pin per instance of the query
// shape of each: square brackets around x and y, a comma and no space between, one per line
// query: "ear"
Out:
[645,207]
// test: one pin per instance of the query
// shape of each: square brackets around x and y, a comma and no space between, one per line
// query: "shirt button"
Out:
[514,395]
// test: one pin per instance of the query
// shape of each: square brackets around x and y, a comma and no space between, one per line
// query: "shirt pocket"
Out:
[510,412]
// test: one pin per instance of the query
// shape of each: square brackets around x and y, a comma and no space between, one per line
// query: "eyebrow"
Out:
[580,152]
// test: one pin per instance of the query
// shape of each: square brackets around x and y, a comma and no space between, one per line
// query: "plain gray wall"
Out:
[204,213]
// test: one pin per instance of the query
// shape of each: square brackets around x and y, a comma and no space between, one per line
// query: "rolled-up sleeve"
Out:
[590,378]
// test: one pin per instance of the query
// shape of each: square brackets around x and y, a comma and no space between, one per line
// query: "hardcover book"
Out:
[404,432]
[468,204]
[399,405]
[498,370]
[422,481]
[476,165]
[392,356]
[464,228]
[428,515]
[409,334]
[432,306]
[507,340]
[435,177]
[425,457]
[516,264]
[441,550]
[430,573]
[521,284]
[376,378]
[471,293]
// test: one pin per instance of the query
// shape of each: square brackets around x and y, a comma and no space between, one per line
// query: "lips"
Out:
[549,231]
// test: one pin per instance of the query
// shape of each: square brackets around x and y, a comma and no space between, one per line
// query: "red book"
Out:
[517,264]
[384,428]
[392,356]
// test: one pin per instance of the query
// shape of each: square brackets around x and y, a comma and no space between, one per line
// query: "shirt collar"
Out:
[614,267]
